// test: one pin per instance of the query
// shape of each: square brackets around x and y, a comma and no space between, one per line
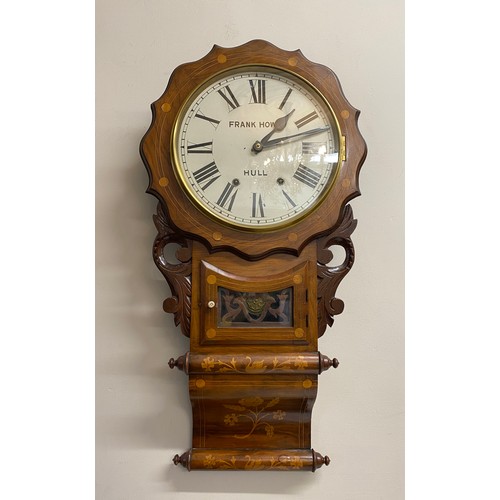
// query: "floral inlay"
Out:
[300,363]
[208,363]
[249,365]
[210,461]
[251,463]
[296,462]
[255,411]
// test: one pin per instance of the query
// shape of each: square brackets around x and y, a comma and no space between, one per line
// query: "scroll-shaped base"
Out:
[243,459]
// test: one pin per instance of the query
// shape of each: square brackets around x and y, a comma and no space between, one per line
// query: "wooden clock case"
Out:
[252,383]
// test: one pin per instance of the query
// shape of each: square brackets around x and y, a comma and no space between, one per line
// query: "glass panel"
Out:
[255,309]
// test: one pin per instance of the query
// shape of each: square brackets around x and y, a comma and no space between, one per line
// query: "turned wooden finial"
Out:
[319,460]
[180,362]
[326,362]
[183,459]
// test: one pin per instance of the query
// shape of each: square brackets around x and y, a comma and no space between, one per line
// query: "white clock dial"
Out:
[256,147]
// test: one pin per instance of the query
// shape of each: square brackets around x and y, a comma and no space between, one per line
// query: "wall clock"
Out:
[253,154]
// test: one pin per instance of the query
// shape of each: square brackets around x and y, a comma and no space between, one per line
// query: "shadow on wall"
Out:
[284,483]
[140,402]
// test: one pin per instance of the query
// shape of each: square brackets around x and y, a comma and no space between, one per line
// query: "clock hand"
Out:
[279,125]
[294,137]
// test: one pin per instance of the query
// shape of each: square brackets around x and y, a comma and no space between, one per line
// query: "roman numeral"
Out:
[283,102]
[259,94]
[226,196]
[287,196]
[308,176]
[202,148]
[228,96]
[212,121]
[257,205]
[310,148]
[306,119]
[206,175]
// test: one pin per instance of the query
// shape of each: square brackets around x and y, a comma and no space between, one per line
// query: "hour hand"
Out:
[279,125]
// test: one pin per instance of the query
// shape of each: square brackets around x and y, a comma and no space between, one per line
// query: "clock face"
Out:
[256,147]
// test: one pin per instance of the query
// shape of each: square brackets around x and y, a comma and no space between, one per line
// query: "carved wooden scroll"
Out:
[178,275]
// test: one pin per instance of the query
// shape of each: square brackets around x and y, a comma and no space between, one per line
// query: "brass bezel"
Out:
[176,164]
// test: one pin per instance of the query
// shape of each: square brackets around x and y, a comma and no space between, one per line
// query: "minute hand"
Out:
[290,138]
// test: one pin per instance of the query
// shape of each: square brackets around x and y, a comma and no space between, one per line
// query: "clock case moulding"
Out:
[252,390]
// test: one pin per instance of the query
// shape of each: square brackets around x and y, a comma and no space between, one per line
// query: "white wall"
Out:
[142,407]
